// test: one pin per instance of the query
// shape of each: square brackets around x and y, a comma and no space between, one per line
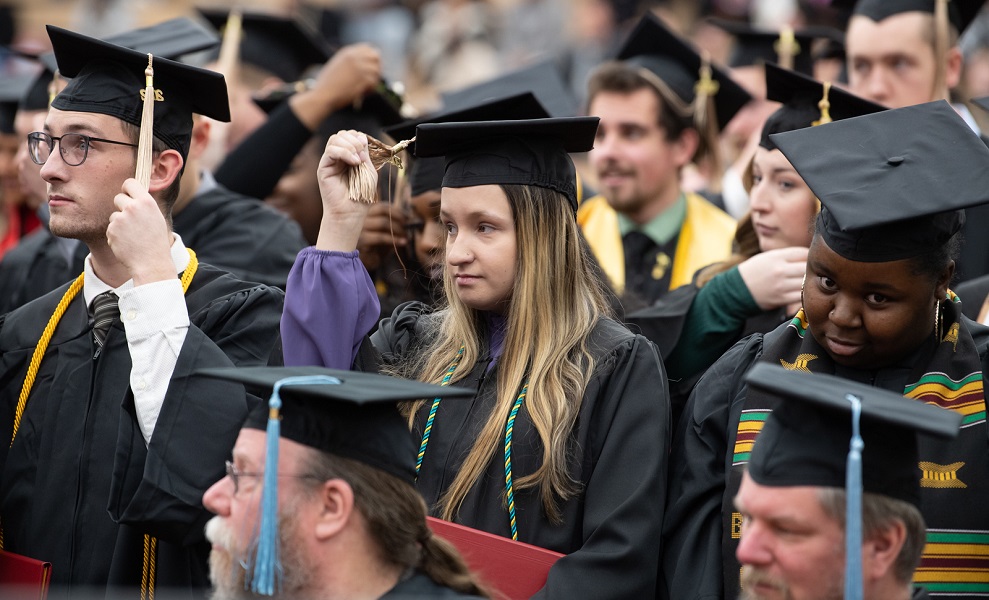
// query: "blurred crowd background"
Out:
[430,46]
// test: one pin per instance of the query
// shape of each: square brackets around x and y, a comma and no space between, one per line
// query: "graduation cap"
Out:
[344,413]
[427,173]
[682,70]
[960,13]
[892,184]
[807,102]
[756,46]
[543,80]
[833,432]
[111,80]
[12,89]
[523,152]
[283,46]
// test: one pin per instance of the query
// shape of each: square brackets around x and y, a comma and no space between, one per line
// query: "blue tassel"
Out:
[267,562]
[853,507]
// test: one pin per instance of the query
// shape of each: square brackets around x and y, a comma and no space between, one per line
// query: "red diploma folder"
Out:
[23,577]
[514,569]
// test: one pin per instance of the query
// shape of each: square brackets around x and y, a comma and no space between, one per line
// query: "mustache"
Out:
[752,576]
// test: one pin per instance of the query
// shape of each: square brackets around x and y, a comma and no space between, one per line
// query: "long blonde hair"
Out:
[555,304]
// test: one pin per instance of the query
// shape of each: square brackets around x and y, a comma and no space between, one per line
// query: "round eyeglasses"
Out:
[74,147]
[236,474]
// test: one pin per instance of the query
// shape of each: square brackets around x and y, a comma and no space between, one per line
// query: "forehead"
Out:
[60,121]
[489,199]
[639,106]
[249,450]
[894,274]
[904,33]
[797,503]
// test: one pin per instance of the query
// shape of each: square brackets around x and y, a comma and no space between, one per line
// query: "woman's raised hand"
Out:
[343,218]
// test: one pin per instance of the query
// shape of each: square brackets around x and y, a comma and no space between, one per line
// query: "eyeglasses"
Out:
[74,147]
[235,474]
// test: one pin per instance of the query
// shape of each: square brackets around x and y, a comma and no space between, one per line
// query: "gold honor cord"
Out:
[150,542]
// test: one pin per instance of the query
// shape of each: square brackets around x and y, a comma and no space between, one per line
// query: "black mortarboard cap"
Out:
[756,46]
[524,152]
[893,183]
[542,79]
[108,79]
[961,13]
[661,52]
[170,39]
[12,89]
[356,418]
[427,173]
[805,441]
[801,98]
[283,46]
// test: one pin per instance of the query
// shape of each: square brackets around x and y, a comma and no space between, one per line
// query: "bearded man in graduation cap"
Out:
[109,439]
[319,501]
[830,500]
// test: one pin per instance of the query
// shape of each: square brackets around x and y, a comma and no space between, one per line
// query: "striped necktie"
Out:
[105,310]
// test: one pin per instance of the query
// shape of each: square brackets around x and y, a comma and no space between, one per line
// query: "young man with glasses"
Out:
[109,438]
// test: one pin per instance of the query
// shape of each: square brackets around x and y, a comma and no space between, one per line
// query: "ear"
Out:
[685,146]
[953,68]
[336,508]
[201,127]
[165,169]
[880,550]
[944,280]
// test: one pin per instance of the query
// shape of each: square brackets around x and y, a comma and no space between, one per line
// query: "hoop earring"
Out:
[937,320]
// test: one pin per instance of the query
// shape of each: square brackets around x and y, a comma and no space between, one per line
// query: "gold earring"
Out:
[937,320]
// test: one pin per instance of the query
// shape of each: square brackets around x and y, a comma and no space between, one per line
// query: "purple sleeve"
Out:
[330,305]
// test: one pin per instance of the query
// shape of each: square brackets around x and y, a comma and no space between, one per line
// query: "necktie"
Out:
[105,310]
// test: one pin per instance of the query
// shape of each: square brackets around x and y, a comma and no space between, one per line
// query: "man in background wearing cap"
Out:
[350,521]
[113,439]
[647,233]
[227,230]
[795,538]
[901,53]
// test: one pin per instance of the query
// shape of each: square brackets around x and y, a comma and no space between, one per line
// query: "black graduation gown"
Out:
[695,559]
[79,488]
[241,235]
[36,266]
[419,585]
[610,530]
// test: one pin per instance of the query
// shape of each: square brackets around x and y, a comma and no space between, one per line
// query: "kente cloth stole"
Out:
[954,475]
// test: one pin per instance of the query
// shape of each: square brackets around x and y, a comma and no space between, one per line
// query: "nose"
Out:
[54,167]
[217,497]
[875,87]
[458,252]
[605,149]
[759,197]
[845,313]
[753,547]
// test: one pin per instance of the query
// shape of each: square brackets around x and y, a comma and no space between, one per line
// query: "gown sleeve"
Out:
[159,488]
[330,306]
[691,566]
[255,174]
[623,507]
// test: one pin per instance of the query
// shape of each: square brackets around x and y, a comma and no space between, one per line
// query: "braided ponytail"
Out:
[395,516]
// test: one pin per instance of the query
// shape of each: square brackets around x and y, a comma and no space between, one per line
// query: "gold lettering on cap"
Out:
[159,96]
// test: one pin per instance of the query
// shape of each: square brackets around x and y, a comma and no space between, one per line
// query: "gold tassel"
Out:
[229,57]
[786,48]
[53,86]
[824,105]
[360,179]
[941,34]
[144,144]
[706,118]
